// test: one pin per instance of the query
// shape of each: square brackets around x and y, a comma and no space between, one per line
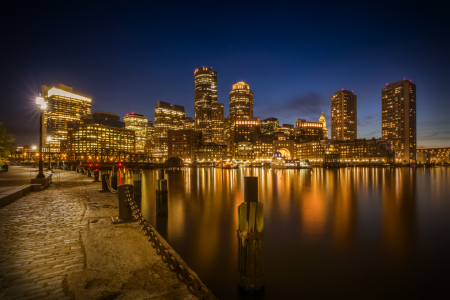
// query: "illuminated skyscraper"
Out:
[205,95]
[399,119]
[241,102]
[343,116]
[62,106]
[167,117]
[139,124]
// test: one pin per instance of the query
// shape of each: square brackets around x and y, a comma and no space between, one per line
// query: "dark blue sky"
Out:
[294,55]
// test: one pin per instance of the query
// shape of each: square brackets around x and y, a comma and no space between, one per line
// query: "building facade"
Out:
[184,144]
[344,119]
[399,119]
[269,125]
[63,105]
[433,155]
[211,152]
[305,131]
[167,117]
[365,152]
[205,95]
[139,124]
[217,123]
[93,139]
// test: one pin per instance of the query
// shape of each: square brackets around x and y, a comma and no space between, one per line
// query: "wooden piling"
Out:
[251,238]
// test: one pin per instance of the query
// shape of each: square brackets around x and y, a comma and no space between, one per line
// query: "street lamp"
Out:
[42,105]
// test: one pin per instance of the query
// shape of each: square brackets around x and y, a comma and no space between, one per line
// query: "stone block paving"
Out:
[40,241]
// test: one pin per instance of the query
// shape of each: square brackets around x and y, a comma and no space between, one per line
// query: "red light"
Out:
[404,78]
[132,113]
[342,89]
[352,91]
[90,165]
[410,80]
[119,164]
[96,165]
[127,114]
[387,83]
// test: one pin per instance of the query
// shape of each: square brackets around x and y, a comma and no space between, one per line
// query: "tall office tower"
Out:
[241,102]
[62,106]
[269,125]
[205,95]
[323,121]
[139,124]
[343,116]
[167,117]
[217,123]
[399,119]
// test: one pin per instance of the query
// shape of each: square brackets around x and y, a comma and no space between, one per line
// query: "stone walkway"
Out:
[40,241]
[60,244]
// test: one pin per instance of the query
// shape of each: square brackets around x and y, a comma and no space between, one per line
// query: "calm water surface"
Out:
[352,232]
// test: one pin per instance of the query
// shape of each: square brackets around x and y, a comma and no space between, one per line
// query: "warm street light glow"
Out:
[34,147]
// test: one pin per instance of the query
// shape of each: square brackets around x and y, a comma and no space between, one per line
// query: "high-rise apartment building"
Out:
[217,123]
[139,124]
[205,95]
[167,117]
[62,106]
[241,102]
[184,143]
[343,116]
[189,123]
[269,125]
[399,119]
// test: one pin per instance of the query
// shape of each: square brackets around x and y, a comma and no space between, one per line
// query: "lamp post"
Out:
[42,105]
[49,139]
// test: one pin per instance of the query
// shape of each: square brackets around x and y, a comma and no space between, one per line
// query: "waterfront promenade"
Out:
[59,243]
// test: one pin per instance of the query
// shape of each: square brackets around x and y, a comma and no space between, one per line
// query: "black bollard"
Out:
[251,238]
[82,170]
[105,177]
[78,170]
[89,173]
[96,176]
[124,191]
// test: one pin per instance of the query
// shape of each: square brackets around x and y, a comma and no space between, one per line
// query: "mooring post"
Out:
[89,172]
[82,170]
[105,178]
[251,238]
[96,176]
[124,192]
[161,195]
[137,186]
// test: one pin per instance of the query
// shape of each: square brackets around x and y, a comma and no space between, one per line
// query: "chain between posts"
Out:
[193,284]
[110,187]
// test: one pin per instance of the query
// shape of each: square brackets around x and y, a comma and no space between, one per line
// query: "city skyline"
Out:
[292,64]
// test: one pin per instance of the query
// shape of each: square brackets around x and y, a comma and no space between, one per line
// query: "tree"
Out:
[6,143]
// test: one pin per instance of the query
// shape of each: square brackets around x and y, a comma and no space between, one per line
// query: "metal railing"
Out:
[194,285]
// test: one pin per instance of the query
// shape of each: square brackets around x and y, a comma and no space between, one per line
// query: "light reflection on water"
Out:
[354,232]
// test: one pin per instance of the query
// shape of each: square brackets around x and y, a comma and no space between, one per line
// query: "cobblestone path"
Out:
[40,241]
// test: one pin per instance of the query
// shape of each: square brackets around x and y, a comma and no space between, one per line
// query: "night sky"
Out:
[294,56]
